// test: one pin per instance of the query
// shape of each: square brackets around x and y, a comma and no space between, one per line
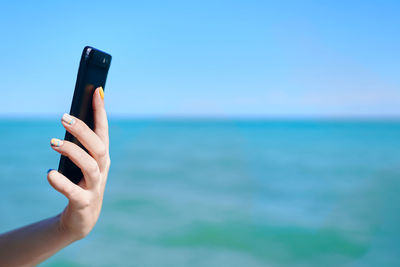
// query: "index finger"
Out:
[100,116]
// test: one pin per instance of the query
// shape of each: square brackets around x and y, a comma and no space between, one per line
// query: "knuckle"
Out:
[78,127]
[101,150]
[84,202]
[69,191]
[93,168]
[67,148]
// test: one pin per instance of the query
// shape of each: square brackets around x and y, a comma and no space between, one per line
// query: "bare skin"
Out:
[32,244]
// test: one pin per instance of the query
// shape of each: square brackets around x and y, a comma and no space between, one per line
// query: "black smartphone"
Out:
[92,73]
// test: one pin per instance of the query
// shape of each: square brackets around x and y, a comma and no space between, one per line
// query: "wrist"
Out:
[66,233]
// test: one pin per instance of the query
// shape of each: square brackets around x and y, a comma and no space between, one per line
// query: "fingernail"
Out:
[101,92]
[49,170]
[56,142]
[68,119]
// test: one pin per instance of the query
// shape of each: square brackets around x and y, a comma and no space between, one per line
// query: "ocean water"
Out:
[222,193]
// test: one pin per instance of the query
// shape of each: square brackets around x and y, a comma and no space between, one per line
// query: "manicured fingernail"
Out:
[68,119]
[101,92]
[49,170]
[56,142]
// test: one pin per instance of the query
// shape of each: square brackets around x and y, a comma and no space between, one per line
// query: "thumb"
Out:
[100,115]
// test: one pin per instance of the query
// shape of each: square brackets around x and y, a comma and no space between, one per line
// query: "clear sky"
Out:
[206,58]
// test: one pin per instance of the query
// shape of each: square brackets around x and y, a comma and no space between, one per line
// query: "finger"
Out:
[87,137]
[100,116]
[63,185]
[81,158]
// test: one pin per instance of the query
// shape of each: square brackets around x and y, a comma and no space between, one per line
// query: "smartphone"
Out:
[92,73]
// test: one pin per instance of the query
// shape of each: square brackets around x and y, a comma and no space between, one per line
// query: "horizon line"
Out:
[325,117]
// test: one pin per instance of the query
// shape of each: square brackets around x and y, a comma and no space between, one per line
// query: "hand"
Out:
[32,244]
[86,198]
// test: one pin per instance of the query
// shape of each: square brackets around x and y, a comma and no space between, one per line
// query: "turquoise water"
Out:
[222,193]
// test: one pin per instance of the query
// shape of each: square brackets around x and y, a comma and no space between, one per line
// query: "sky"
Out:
[206,58]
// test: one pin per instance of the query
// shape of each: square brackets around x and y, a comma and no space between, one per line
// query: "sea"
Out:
[221,192]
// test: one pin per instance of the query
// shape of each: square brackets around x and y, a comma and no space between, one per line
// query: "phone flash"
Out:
[104,60]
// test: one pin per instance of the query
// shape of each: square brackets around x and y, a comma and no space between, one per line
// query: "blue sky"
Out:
[206,58]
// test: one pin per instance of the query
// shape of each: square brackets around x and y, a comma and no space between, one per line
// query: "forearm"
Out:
[32,244]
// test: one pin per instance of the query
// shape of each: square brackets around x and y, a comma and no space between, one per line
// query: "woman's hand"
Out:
[32,244]
[86,198]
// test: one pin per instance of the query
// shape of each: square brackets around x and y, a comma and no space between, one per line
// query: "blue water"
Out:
[222,193]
